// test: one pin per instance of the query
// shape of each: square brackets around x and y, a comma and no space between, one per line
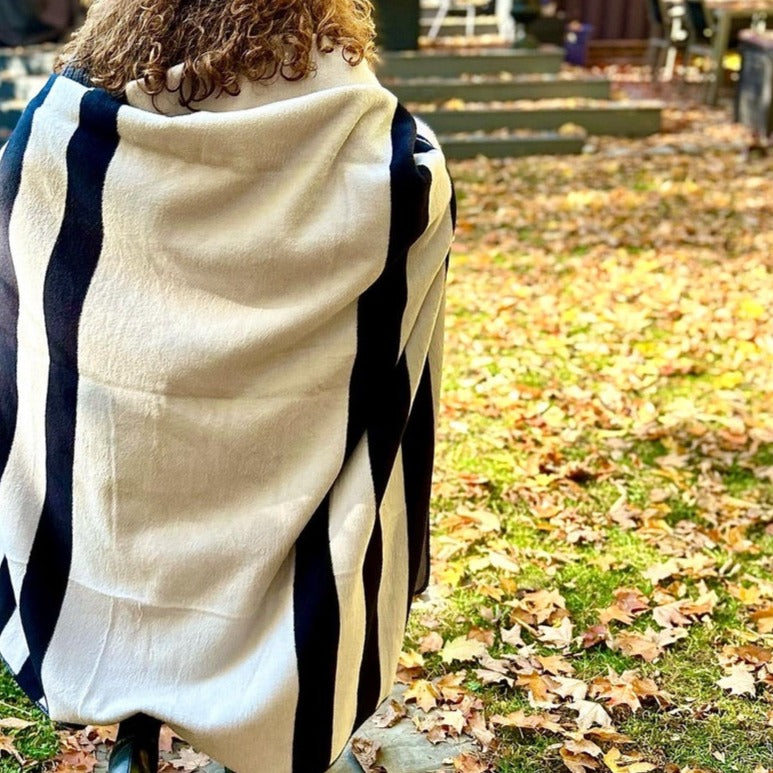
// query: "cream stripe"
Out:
[352,515]
[393,592]
[33,231]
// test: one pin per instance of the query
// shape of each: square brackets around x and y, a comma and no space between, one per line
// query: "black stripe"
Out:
[317,625]
[7,597]
[380,379]
[70,271]
[453,203]
[29,681]
[418,457]
[10,181]
[379,396]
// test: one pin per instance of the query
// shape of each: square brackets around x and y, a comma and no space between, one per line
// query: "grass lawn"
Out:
[602,594]
[604,497]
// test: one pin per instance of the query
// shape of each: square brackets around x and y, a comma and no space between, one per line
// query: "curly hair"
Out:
[217,42]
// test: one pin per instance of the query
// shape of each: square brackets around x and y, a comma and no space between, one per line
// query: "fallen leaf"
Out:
[590,713]
[462,649]
[393,713]
[470,763]
[617,763]
[188,759]
[424,693]
[739,681]
[366,751]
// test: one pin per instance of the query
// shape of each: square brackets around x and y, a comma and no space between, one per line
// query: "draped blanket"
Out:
[220,341]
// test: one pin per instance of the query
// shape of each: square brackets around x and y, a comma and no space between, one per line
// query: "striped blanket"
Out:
[220,342]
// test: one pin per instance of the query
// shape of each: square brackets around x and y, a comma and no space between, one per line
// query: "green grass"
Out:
[38,743]
[616,380]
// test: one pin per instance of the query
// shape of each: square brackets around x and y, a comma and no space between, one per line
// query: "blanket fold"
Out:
[220,344]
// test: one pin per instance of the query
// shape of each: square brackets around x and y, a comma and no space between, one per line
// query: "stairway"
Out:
[23,72]
[491,102]
[508,102]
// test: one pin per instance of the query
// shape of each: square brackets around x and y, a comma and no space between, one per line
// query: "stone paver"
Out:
[403,750]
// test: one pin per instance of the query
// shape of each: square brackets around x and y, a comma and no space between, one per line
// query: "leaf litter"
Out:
[603,503]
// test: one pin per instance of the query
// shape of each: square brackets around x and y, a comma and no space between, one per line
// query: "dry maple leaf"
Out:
[451,687]
[590,713]
[555,664]
[576,689]
[13,723]
[540,606]
[658,572]
[432,642]
[411,659]
[512,636]
[394,712]
[7,745]
[670,615]
[539,687]
[616,693]
[470,763]
[452,719]
[75,762]
[740,681]
[462,649]
[560,636]
[366,752]
[594,635]
[649,645]
[481,635]
[523,721]
[629,604]
[617,763]
[188,759]
[477,728]
[751,653]
[166,740]
[487,676]
[583,746]
[424,693]
[577,763]
[764,619]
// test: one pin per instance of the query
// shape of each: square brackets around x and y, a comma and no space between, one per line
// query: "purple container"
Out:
[576,43]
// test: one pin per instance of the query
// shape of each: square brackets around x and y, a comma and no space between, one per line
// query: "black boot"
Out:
[136,749]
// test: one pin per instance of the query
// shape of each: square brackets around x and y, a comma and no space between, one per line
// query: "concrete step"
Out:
[424,64]
[596,117]
[457,25]
[22,87]
[499,90]
[10,113]
[458,147]
[33,60]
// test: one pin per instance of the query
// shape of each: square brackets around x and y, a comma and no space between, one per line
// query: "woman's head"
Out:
[218,42]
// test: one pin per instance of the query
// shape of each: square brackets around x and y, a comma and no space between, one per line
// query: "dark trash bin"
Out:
[754,97]
[576,44]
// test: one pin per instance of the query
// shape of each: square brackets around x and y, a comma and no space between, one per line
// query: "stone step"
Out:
[597,117]
[22,87]
[459,30]
[33,60]
[459,148]
[10,113]
[499,90]
[423,64]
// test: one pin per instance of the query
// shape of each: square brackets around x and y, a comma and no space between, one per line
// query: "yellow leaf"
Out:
[463,649]
[614,757]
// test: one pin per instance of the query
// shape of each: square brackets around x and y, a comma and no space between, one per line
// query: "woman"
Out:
[222,262]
